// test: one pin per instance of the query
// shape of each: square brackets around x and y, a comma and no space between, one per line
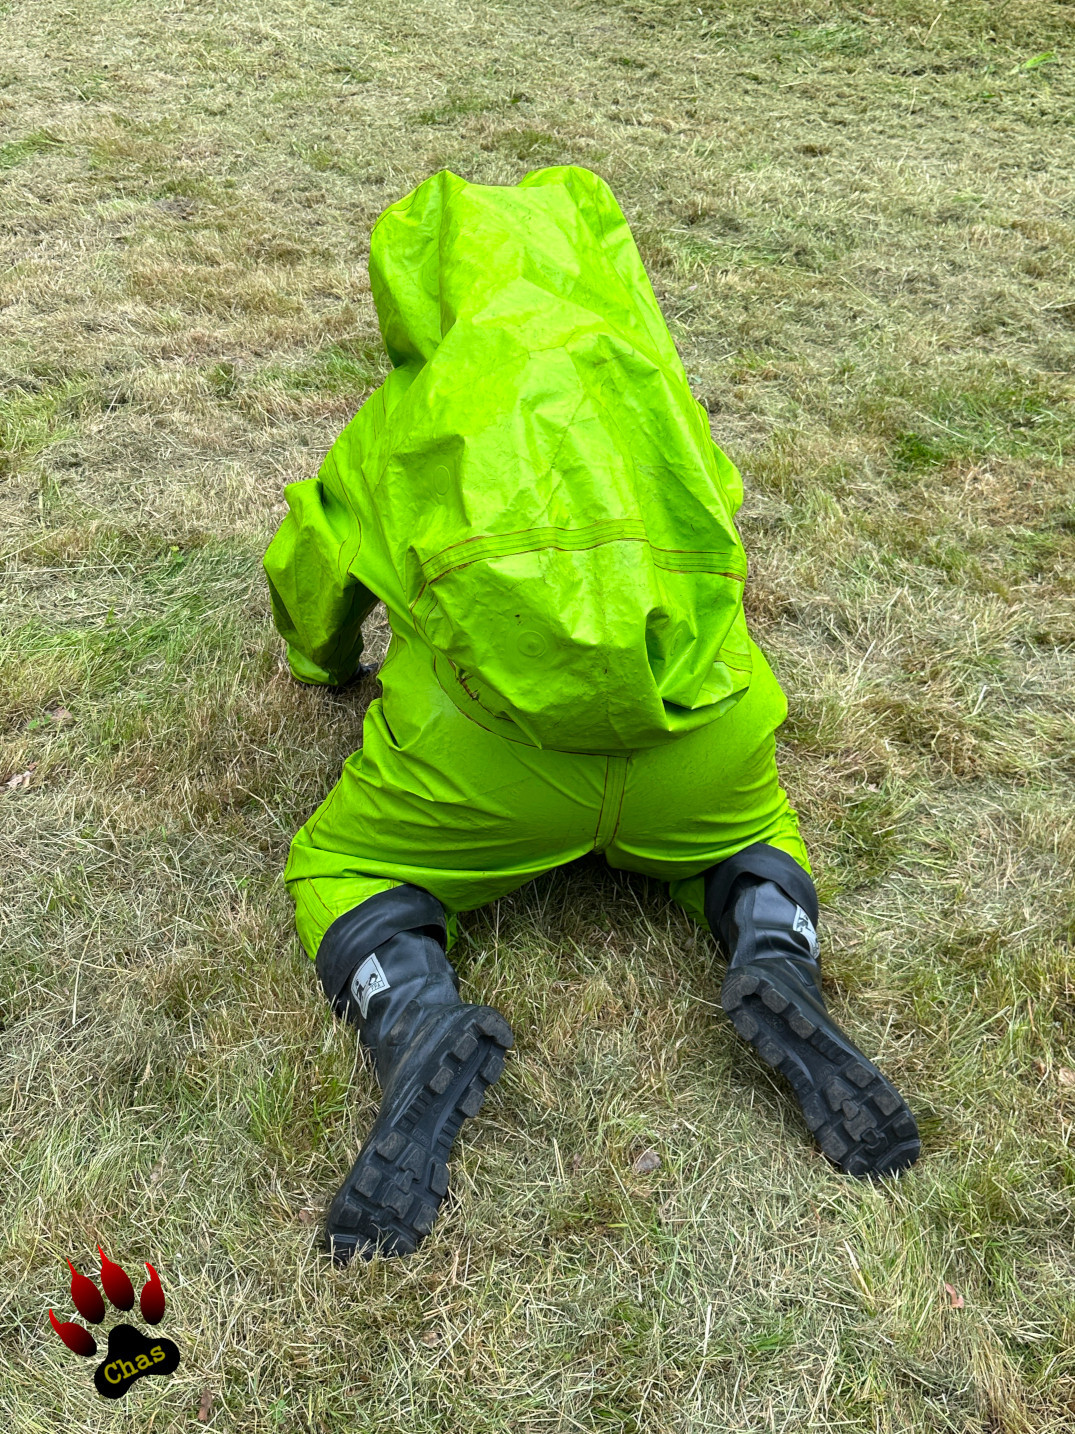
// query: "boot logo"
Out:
[805,927]
[369,981]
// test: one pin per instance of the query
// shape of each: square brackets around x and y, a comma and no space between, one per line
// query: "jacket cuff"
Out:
[303,670]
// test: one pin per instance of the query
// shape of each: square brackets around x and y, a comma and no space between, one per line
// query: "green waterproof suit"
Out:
[536,496]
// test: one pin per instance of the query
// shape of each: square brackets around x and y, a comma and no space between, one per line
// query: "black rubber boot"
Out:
[383,968]
[762,907]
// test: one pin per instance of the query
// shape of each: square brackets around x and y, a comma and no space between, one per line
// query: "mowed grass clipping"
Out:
[859,224]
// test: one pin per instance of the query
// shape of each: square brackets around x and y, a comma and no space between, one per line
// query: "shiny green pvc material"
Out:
[534,490]
[434,799]
[535,495]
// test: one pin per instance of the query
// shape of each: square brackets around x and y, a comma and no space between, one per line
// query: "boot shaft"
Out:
[762,906]
[384,970]
[762,923]
[395,989]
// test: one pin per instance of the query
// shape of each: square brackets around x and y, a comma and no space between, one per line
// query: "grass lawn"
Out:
[859,220]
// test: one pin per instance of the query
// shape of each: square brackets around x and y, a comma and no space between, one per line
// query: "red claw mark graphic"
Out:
[87,1297]
[74,1336]
[118,1287]
[151,1299]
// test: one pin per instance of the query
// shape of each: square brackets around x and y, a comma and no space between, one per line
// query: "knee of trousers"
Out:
[767,863]
[358,932]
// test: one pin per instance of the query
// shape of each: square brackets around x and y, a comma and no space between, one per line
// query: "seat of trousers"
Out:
[435,799]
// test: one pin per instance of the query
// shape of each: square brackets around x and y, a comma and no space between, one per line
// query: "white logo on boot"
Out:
[369,980]
[805,927]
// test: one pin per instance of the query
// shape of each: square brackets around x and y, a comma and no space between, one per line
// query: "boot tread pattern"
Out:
[860,1121]
[390,1200]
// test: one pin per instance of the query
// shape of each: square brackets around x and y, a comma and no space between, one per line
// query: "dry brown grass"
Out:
[859,224]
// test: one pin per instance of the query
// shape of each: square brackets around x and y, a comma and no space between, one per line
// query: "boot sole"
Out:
[859,1119]
[390,1199]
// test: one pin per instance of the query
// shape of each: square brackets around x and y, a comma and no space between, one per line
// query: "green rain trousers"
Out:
[535,495]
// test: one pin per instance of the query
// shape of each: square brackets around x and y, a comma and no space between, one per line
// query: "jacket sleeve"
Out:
[730,480]
[318,604]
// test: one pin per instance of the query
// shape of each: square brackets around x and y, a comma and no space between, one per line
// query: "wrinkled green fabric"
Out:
[430,798]
[533,491]
[535,495]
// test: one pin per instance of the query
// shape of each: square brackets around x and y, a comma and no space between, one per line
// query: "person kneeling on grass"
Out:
[536,497]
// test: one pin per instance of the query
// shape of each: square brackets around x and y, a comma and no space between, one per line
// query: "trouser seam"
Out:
[619,770]
[619,807]
[601,813]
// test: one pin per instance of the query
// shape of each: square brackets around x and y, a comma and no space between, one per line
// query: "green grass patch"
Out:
[340,368]
[15,151]
[460,106]
[31,420]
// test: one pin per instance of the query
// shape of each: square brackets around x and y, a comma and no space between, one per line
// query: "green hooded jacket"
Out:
[533,491]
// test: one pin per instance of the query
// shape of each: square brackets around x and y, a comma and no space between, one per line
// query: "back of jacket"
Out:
[533,491]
